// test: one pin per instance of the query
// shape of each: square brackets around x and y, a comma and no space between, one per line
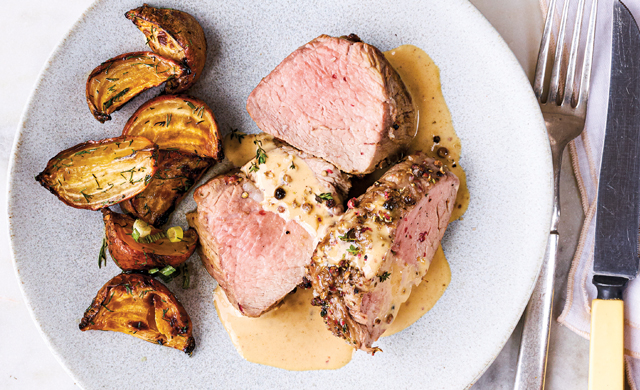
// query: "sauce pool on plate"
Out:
[293,336]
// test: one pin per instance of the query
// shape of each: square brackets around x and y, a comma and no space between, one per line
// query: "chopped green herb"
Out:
[191,106]
[112,79]
[261,155]
[238,135]
[385,275]
[254,167]
[185,276]
[325,196]
[114,99]
[80,153]
[97,182]
[354,250]
[102,256]
[345,237]
[168,119]
[86,196]
[153,271]
[132,171]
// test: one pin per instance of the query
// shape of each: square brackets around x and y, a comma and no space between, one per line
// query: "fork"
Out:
[564,108]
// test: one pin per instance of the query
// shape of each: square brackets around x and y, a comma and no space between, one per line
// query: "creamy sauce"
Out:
[421,76]
[239,148]
[294,336]
[290,188]
[375,243]
[423,296]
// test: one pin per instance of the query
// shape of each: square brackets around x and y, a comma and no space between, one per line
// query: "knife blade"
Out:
[618,208]
[616,248]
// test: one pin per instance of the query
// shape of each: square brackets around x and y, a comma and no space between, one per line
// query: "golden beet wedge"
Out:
[97,174]
[178,123]
[177,173]
[139,305]
[120,79]
[142,255]
[173,34]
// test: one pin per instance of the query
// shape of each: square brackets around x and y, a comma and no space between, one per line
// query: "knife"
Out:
[615,259]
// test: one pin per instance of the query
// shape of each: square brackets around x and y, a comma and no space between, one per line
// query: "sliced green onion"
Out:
[168,270]
[175,234]
[142,228]
[150,239]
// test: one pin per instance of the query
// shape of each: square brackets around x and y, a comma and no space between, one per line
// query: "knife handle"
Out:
[606,350]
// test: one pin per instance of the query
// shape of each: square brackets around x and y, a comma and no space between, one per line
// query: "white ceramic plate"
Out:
[495,252]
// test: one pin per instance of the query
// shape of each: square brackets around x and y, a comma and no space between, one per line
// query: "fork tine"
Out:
[543,53]
[588,56]
[557,62]
[573,56]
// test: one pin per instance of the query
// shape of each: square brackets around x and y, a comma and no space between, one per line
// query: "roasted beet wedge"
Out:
[366,265]
[177,172]
[173,34]
[142,255]
[139,305]
[178,123]
[189,140]
[120,79]
[97,174]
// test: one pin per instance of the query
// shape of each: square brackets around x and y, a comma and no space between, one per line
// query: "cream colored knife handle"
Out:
[606,352]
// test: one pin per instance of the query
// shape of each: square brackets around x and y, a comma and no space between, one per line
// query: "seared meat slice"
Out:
[254,241]
[367,263]
[338,99]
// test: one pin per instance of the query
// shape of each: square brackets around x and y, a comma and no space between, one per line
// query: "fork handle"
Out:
[532,357]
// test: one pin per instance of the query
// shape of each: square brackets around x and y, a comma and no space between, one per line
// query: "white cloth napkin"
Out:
[585,156]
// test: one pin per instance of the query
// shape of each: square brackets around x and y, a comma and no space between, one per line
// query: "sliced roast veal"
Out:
[367,263]
[254,240]
[338,99]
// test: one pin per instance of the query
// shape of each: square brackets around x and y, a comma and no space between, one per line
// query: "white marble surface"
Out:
[32,28]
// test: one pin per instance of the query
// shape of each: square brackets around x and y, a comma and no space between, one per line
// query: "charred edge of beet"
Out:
[102,117]
[191,345]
